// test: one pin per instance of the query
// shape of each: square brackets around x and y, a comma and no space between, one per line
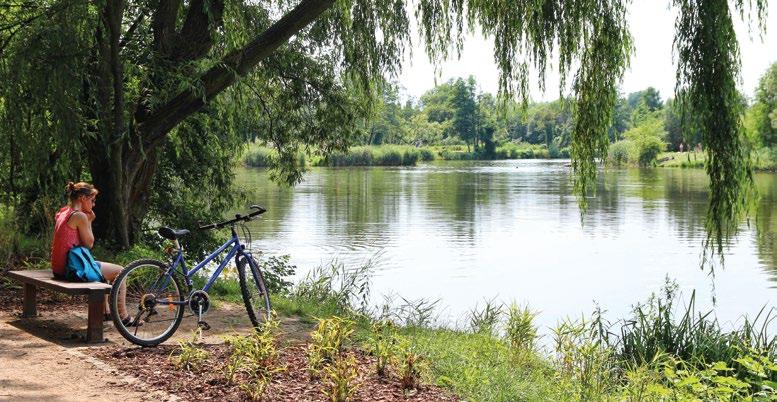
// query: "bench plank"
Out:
[46,279]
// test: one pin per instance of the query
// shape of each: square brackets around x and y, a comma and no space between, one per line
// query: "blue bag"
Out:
[81,266]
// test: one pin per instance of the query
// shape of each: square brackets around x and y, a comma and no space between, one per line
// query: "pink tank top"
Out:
[65,238]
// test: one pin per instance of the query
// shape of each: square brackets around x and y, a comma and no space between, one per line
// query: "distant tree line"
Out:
[457,112]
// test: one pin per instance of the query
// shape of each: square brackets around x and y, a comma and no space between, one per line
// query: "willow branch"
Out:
[234,65]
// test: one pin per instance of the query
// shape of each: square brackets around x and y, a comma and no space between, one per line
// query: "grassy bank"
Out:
[681,159]
[664,350]
[763,159]
[405,155]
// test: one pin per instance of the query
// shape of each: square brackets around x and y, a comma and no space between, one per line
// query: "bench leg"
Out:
[30,308]
[94,329]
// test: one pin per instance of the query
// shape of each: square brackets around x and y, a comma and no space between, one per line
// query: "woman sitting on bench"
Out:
[73,227]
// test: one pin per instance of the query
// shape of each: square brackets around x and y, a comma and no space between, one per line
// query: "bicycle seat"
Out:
[172,234]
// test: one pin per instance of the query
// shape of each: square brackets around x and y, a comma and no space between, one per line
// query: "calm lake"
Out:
[466,232]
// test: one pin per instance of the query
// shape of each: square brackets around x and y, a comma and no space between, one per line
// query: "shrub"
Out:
[275,271]
[383,155]
[485,320]
[18,250]
[189,356]
[411,369]
[693,337]
[340,379]
[336,285]
[383,344]
[668,377]
[583,360]
[254,356]
[450,155]
[390,157]
[647,139]
[263,157]
[618,153]
[258,157]
[530,151]
[426,154]
[410,157]
[520,331]
[327,342]
[648,149]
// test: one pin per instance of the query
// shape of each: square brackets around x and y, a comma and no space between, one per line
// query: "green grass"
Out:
[479,366]
[763,159]
[682,159]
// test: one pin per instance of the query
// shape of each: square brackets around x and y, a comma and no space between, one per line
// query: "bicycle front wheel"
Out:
[153,300]
[255,295]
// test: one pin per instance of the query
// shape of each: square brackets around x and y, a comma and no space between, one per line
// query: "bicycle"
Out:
[154,287]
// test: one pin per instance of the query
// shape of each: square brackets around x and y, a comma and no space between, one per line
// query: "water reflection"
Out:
[465,231]
[766,223]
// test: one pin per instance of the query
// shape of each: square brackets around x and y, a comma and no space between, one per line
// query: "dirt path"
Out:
[42,358]
[55,369]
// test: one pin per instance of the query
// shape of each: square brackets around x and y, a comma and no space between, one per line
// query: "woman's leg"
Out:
[110,272]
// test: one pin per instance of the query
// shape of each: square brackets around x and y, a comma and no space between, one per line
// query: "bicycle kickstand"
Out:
[200,322]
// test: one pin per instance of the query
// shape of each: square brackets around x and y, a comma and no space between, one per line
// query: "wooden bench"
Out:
[95,291]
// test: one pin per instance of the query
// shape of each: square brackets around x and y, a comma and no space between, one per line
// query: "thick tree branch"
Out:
[163,25]
[195,40]
[236,64]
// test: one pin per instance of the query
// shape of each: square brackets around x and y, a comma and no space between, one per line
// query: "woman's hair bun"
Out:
[70,188]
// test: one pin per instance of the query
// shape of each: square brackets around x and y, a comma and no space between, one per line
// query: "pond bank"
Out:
[666,350]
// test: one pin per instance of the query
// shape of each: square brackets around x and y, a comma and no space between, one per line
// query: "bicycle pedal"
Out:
[203,325]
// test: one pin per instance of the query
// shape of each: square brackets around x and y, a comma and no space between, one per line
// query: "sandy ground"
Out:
[39,362]
[43,358]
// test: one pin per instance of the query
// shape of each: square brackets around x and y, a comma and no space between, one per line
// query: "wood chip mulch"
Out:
[154,367]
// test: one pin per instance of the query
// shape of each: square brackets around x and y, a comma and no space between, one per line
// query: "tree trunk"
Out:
[113,216]
[123,199]
[107,161]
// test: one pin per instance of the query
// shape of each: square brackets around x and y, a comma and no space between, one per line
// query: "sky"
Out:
[652,26]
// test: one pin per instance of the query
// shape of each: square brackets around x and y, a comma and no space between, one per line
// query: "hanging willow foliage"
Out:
[101,88]
[707,76]
[590,34]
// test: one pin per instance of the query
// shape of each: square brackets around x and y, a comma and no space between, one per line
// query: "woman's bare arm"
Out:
[84,225]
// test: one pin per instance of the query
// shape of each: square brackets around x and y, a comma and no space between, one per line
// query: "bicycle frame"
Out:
[237,250]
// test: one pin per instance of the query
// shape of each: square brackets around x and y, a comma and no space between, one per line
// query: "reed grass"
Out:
[260,156]
[384,155]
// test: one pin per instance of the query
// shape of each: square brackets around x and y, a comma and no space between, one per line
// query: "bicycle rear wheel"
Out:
[151,291]
[255,295]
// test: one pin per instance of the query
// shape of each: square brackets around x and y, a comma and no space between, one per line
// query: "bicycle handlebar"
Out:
[238,218]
